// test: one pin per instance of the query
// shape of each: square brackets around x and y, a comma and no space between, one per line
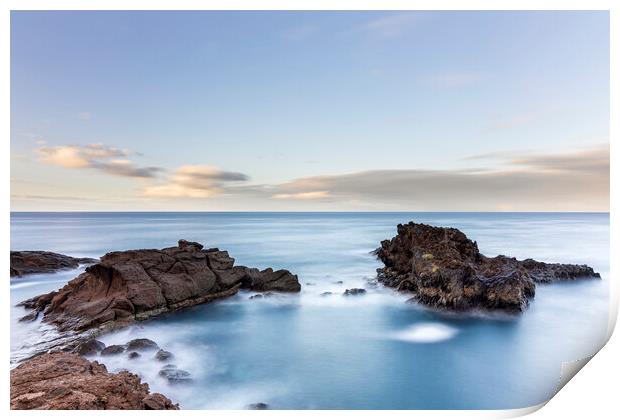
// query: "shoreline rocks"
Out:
[62,381]
[134,285]
[37,262]
[442,268]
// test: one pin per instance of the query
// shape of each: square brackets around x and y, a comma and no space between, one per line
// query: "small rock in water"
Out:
[113,349]
[175,376]
[309,284]
[256,296]
[133,355]
[354,292]
[142,344]
[163,355]
[338,282]
[258,406]
[89,348]
[326,293]
[169,366]
[30,317]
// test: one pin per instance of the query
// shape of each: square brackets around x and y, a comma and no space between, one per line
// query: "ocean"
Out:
[309,351]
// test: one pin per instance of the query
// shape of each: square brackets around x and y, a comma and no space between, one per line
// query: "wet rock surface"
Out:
[61,381]
[126,286]
[175,376]
[141,344]
[35,262]
[442,268]
[354,292]
[163,355]
[113,350]
[89,348]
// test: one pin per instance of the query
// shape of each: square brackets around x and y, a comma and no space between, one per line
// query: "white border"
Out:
[593,392]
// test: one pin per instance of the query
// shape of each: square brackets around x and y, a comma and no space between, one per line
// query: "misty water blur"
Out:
[334,352]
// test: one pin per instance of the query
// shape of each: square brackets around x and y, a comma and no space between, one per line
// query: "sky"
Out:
[310,111]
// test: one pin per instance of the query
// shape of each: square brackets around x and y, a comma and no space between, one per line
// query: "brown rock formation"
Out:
[66,381]
[138,284]
[33,262]
[444,269]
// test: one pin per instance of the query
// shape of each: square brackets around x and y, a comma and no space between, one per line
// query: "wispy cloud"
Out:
[107,159]
[84,115]
[194,181]
[569,181]
[308,195]
[392,25]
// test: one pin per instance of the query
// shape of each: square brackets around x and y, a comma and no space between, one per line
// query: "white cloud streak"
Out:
[95,156]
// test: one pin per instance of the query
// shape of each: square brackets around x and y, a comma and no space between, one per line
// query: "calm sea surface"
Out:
[308,351]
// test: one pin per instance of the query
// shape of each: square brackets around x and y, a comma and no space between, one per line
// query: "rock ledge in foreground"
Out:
[35,262]
[66,381]
[126,286]
[444,269]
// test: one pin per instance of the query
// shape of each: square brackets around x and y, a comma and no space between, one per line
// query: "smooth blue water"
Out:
[369,352]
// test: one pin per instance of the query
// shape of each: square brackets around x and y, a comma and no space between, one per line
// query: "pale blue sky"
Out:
[272,97]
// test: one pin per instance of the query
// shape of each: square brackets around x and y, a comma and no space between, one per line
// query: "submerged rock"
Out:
[175,376]
[354,292]
[141,344]
[163,355]
[66,381]
[133,355]
[34,262]
[89,348]
[326,294]
[442,268]
[138,284]
[112,350]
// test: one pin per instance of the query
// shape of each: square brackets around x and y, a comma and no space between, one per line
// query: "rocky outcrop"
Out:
[138,284]
[34,262]
[442,268]
[64,381]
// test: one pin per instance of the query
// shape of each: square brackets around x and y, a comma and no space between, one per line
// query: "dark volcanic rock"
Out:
[89,348]
[259,406]
[163,355]
[444,269]
[112,350]
[63,381]
[175,376]
[277,281]
[354,292]
[141,344]
[138,284]
[33,262]
[133,355]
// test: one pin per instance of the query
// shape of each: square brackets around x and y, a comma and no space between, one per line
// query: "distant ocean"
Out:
[309,351]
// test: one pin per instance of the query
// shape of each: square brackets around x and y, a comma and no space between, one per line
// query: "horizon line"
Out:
[313,211]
